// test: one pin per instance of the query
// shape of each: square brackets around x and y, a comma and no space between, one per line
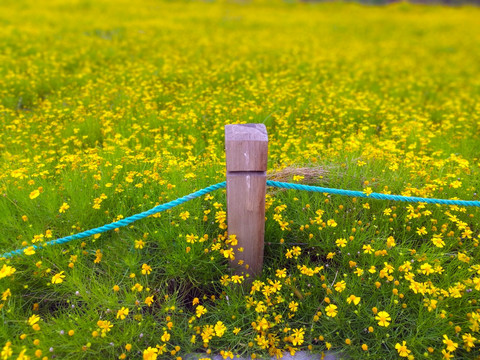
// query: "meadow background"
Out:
[108,108]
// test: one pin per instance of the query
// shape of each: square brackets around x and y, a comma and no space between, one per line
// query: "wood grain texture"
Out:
[246,218]
[246,148]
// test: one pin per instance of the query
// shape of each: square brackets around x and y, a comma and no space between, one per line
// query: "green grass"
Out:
[113,108]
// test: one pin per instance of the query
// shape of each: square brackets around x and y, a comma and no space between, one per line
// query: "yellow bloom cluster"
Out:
[109,108]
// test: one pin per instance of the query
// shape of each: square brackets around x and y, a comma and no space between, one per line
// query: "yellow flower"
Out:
[261,341]
[402,349]
[191,238]
[297,337]
[426,269]
[367,249]
[262,325]
[229,254]
[358,271]
[22,356]
[260,307]
[185,215]
[383,318]
[456,184]
[29,250]
[451,346]
[225,354]
[331,310]
[438,241]
[139,244]
[98,256]
[340,286]
[37,238]
[33,320]
[237,279]
[63,208]
[232,240]
[122,313]
[293,306]
[469,340]
[281,273]
[6,294]
[137,287]
[446,354]
[391,242]
[207,333]
[341,242]
[296,251]
[354,299]
[7,270]
[149,300]
[200,310]
[331,223]
[421,231]
[58,278]
[34,194]
[146,269]
[104,325]
[220,329]
[165,337]
[150,353]
[6,351]
[224,280]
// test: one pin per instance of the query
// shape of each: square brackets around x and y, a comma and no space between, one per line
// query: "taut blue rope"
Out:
[171,204]
[123,222]
[372,195]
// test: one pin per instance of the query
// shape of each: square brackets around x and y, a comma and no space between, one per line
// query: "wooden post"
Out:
[246,148]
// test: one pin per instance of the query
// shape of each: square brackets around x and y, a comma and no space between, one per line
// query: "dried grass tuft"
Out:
[311,175]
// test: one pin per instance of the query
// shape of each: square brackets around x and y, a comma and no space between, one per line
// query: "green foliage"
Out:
[110,108]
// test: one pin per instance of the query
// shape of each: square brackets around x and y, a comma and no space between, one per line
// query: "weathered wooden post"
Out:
[246,148]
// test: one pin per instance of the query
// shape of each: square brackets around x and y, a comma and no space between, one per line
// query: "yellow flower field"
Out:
[109,108]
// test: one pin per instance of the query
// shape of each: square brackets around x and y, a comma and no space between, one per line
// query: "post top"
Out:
[246,147]
[242,132]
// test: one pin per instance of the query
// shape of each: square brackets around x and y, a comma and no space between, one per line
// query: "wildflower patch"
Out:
[109,109]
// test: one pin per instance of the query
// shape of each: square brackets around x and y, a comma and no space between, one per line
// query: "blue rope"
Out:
[372,195]
[171,204]
[123,222]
